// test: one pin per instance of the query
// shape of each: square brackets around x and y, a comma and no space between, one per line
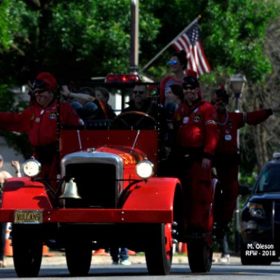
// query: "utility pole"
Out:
[134,39]
[237,83]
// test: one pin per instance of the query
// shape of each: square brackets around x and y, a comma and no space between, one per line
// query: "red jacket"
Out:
[230,122]
[197,127]
[39,124]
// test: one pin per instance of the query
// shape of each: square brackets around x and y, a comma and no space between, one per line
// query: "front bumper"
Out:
[261,233]
[94,216]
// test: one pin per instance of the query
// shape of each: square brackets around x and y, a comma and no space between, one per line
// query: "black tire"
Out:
[78,256]
[134,120]
[159,252]
[200,256]
[27,251]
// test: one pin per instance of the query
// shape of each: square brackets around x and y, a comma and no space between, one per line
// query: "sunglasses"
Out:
[38,91]
[191,87]
[172,62]
[138,92]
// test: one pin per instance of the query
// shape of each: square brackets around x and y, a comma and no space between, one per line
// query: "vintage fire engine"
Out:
[109,195]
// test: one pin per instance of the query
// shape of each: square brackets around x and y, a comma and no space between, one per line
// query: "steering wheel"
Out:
[134,120]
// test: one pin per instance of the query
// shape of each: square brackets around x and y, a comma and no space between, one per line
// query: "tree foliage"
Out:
[91,37]
[236,33]
[71,38]
[233,33]
[80,39]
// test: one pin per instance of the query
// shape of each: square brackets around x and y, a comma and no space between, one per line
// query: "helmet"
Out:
[45,80]
[222,94]
[190,81]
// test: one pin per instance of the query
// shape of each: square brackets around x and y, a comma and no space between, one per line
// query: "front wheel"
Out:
[78,256]
[27,250]
[159,252]
[199,255]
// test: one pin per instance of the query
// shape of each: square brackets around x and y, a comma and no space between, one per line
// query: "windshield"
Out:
[269,179]
[99,105]
[116,121]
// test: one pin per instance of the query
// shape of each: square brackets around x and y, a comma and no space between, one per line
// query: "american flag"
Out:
[189,41]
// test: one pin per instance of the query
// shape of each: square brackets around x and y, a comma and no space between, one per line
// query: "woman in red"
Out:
[39,122]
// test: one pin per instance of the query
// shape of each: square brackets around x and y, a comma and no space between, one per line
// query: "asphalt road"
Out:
[58,258]
[54,267]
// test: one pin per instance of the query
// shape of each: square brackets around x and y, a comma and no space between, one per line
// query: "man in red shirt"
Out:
[197,138]
[227,160]
[39,122]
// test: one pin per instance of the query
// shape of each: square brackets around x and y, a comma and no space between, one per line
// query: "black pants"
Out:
[119,254]
[223,245]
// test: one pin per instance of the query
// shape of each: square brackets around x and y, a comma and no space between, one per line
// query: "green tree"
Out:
[76,39]
[236,33]
[233,33]
[92,37]
[81,39]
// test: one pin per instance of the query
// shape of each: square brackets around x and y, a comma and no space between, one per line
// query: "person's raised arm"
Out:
[81,96]
[16,165]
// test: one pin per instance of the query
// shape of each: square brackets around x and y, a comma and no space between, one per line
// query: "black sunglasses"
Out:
[189,86]
[38,91]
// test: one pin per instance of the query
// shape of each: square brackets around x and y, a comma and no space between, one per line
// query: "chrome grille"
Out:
[96,184]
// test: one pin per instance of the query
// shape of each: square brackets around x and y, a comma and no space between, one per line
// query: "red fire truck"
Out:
[109,195]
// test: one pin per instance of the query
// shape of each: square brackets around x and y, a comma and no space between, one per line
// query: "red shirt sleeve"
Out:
[12,121]
[256,117]
[68,115]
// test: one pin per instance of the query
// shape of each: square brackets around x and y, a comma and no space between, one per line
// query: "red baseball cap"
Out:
[45,80]
[190,80]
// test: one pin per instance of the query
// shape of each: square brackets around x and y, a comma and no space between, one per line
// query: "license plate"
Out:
[28,217]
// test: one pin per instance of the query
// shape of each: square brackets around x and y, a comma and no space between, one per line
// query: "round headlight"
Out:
[31,167]
[145,169]
[256,210]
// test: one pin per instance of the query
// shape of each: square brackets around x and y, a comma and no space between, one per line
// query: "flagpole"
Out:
[169,44]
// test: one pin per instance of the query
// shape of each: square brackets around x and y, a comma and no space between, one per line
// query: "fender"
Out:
[153,194]
[22,193]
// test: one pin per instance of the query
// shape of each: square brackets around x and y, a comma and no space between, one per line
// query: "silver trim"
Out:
[96,157]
